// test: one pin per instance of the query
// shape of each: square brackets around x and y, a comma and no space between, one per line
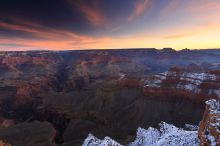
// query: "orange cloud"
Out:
[202,37]
[49,38]
[179,32]
[41,31]
[197,20]
[26,29]
[139,8]
[176,36]
[92,15]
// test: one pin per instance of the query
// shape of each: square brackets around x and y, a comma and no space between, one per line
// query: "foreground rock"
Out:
[209,127]
[29,134]
[93,141]
[4,144]
[169,135]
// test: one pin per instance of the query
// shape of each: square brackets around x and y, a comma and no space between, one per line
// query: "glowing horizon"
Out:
[109,24]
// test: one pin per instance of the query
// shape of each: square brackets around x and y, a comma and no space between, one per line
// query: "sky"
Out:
[109,24]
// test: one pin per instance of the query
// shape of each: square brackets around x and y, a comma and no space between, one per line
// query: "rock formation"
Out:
[99,91]
[4,144]
[29,134]
[208,133]
[209,127]
[176,78]
[167,135]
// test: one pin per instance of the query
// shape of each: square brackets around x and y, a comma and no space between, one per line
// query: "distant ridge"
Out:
[121,49]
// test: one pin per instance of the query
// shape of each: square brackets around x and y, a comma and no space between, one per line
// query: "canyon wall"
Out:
[209,127]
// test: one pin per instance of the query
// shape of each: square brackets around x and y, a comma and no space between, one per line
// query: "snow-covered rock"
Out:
[195,82]
[93,141]
[167,135]
[209,127]
[208,132]
[191,127]
[146,137]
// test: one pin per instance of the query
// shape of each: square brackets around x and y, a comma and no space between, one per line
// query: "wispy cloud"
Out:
[191,8]
[43,37]
[140,7]
[37,30]
[176,36]
[90,12]
[205,11]
[171,7]
[92,15]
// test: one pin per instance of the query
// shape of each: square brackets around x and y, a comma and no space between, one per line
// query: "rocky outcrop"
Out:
[93,141]
[205,83]
[208,133]
[167,135]
[5,123]
[26,91]
[209,127]
[29,74]
[25,59]
[29,134]
[4,144]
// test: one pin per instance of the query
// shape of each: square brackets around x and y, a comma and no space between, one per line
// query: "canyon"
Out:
[59,97]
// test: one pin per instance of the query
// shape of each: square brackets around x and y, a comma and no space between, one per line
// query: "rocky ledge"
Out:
[28,134]
[166,135]
[205,83]
[208,133]
[209,127]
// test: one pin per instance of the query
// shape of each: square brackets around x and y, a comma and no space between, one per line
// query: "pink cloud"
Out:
[92,15]
[91,12]
[172,6]
[139,8]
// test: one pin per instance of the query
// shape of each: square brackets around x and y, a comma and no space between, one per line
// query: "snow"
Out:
[217,92]
[211,139]
[191,127]
[156,81]
[93,141]
[146,137]
[167,135]
[200,76]
[121,76]
[214,106]
[186,81]
[172,136]
[190,87]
